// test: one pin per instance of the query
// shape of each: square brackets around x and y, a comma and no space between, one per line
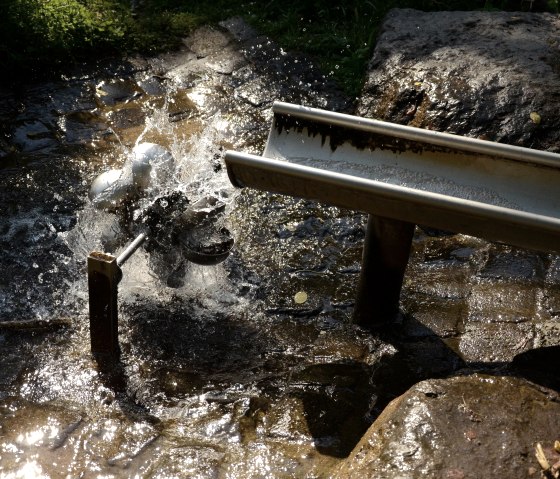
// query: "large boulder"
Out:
[464,427]
[491,75]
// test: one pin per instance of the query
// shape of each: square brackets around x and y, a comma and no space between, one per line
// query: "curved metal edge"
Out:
[230,159]
[263,173]
[447,140]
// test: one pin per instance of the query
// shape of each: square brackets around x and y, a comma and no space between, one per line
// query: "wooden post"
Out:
[384,260]
[104,275]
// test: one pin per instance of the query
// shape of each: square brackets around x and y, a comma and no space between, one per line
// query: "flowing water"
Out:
[223,373]
[226,371]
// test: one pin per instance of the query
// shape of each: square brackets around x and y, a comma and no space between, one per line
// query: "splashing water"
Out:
[209,382]
[222,372]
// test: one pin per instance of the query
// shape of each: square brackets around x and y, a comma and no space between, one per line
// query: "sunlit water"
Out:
[223,372]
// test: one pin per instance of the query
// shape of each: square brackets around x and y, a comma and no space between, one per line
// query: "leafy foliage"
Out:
[41,36]
[41,33]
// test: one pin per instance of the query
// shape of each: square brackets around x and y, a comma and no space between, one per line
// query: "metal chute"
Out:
[404,176]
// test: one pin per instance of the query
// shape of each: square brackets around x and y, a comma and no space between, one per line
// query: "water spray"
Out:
[168,221]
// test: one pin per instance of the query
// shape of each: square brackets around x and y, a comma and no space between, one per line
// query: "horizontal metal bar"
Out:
[130,249]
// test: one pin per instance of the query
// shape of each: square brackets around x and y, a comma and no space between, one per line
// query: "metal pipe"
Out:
[384,260]
[130,249]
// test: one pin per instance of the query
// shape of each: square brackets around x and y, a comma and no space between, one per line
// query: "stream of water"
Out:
[226,371]
[223,373]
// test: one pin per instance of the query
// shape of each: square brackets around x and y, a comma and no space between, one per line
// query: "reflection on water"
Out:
[223,372]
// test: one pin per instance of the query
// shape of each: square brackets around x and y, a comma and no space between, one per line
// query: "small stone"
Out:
[300,297]
[535,118]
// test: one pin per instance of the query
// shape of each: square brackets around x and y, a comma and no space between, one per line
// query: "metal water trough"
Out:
[403,176]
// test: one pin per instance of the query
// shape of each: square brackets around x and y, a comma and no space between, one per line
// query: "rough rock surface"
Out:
[468,303]
[481,74]
[452,428]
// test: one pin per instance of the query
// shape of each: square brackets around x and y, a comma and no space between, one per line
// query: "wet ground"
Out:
[224,371]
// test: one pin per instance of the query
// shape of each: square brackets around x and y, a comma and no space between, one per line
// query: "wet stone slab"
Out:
[429,314]
[454,428]
[495,343]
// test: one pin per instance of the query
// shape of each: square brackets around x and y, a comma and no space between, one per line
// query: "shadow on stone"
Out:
[113,376]
[186,337]
[417,357]
[539,365]
[336,400]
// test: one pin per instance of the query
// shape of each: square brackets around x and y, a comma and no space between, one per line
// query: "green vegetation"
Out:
[43,36]
[47,31]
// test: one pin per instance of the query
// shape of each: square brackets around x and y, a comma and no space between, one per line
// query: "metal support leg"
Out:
[385,256]
[104,275]
[103,278]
